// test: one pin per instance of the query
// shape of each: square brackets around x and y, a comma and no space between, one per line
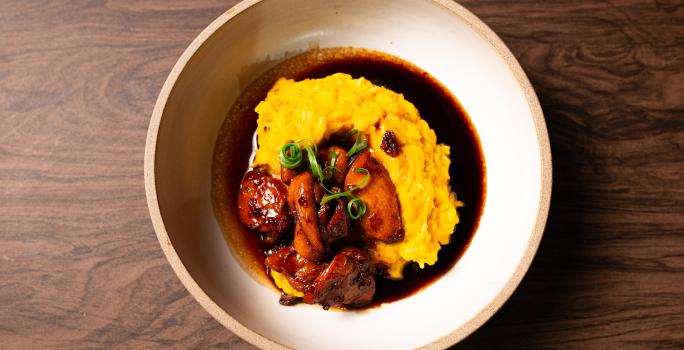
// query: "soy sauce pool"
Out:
[436,105]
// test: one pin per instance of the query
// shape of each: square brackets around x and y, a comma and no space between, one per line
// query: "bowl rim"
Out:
[264,342]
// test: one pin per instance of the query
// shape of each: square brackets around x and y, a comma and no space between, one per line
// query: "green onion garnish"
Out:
[313,163]
[326,189]
[291,155]
[364,181]
[327,199]
[333,160]
[330,168]
[360,208]
[356,208]
[350,133]
[291,158]
[310,141]
[359,145]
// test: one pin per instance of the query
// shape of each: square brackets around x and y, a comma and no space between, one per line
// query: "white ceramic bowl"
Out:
[440,37]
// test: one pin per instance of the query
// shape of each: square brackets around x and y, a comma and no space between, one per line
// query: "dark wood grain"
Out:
[80,266]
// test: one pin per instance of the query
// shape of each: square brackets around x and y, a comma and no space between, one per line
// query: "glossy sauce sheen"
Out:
[445,116]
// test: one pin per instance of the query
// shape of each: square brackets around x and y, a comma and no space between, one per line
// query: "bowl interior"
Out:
[444,43]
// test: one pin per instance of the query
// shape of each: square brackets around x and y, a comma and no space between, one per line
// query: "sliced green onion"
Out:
[330,168]
[313,163]
[350,133]
[310,141]
[291,155]
[358,146]
[356,208]
[363,182]
[360,208]
[333,159]
[325,188]
[291,158]
[334,196]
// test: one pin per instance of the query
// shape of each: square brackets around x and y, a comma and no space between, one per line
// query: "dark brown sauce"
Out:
[435,104]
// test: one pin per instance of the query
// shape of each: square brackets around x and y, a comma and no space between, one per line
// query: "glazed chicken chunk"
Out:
[382,220]
[333,221]
[301,197]
[325,257]
[347,281]
[299,271]
[262,205]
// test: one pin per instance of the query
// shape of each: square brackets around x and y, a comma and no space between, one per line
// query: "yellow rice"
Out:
[316,108]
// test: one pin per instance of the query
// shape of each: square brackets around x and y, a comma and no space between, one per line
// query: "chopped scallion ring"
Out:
[334,196]
[291,155]
[359,145]
[313,163]
[364,181]
[356,208]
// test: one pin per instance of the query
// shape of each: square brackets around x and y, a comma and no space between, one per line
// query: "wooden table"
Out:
[80,266]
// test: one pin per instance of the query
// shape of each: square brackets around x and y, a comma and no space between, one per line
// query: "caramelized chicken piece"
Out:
[289,300]
[262,205]
[348,281]
[307,239]
[333,220]
[341,164]
[324,213]
[319,192]
[287,174]
[382,220]
[302,245]
[338,226]
[299,271]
